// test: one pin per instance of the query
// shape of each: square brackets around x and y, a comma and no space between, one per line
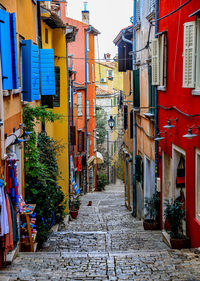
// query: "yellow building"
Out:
[54,37]
[108,78]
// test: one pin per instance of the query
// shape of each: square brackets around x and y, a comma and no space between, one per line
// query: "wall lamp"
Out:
[159,137]
[169,125]
[189,134]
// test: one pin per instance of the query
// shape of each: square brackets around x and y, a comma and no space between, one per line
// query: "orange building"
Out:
[81,55]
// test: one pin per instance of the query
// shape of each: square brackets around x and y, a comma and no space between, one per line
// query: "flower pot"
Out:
[74,214]
[151,225]
[180,243]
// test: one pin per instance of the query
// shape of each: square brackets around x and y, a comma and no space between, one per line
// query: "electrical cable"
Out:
[178,110]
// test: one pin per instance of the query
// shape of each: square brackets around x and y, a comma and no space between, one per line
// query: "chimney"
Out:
[85,14]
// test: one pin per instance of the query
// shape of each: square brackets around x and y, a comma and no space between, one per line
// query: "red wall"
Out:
[183,99]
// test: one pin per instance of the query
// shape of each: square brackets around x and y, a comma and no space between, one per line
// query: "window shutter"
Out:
[73,135]
[47,72]
[79,94]
[189,54]
[151,92]
[56,98]
[88,75]
[139,168]
[155,62]
[131,124]
[5,48]
[14,51]
[30,69]
[136,87]
[81,136]
[129,61]
[125,117]
[121,58]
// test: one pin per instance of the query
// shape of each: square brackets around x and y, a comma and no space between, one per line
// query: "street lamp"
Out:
[191,135]
[111,122]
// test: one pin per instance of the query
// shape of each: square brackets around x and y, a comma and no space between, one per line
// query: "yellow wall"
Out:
[59,129]
[101,72]
[118,78]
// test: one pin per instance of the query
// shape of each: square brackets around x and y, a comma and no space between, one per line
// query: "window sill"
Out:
[80,115]
[161,88]
[196,92]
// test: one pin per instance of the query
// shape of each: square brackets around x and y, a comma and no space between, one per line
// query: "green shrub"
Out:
[101,181]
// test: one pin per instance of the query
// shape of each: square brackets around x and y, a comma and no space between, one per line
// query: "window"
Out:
[94,107]
[56,100]
[46,36]
[191,56]
[81,141]
[137,11]
[159,66]
[88,110]
[88,144]
[79,94]
[151,6]
[125,117]
[94,140]
[115,119]
[88,75]
[93,78]
[114,101]
[198,184]
[110,73]
[111,102]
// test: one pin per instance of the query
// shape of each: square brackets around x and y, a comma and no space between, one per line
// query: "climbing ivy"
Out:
[41,171]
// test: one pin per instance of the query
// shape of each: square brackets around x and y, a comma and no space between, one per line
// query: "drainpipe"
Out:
[156,99]
[68,98]
[86,83]
[134,121]
[2,116]
[72,105]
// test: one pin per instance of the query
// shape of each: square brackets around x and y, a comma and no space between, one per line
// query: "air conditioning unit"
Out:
[103,80]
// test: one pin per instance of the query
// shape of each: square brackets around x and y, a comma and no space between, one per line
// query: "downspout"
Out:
[156,100]
[68,108]
[2,116]
[134,213]
[86,84]
[72,105]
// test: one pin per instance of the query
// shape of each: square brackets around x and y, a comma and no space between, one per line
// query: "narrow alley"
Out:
[104,243]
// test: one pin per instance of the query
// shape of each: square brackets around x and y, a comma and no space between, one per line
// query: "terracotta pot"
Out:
[151,225]
[180,243]
[74,214]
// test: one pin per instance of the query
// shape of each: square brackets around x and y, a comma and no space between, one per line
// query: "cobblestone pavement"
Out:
[105,243]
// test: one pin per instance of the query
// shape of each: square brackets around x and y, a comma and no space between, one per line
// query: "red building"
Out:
[81,54]
[176,72]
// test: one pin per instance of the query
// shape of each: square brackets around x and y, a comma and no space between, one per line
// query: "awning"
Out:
[99,158]
[90,160]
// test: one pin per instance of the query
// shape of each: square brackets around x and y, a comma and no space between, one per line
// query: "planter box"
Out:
[151,225]
[74,214]
[180,243]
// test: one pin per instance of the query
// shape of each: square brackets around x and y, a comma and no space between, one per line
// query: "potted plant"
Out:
[175,213]
[74,207]
[152,211]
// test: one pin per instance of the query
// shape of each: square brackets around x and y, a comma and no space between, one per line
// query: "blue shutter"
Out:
[30,69]
[14,51]
[5,49]
[47,72]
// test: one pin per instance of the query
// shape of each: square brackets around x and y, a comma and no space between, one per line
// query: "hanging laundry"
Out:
[14,224]
[4,216]
[12,183]
[9,246]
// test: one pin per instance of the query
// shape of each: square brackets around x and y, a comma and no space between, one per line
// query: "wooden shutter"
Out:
[30,69]
[155,62]
[73,135]
[131,124]
[47,72]
[94,107]
[136,87]
[81,141]
[121,58]
[14,51]
[5,49]
[79,95]
[125,117]
[139,168]
[56,98]
[129,61]
[151,92]
[189,45]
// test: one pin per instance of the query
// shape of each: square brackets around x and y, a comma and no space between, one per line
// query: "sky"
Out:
[107,16]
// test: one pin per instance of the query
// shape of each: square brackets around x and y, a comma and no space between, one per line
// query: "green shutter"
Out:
[139,168]
[151,92]
[56,102]
[136,88]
